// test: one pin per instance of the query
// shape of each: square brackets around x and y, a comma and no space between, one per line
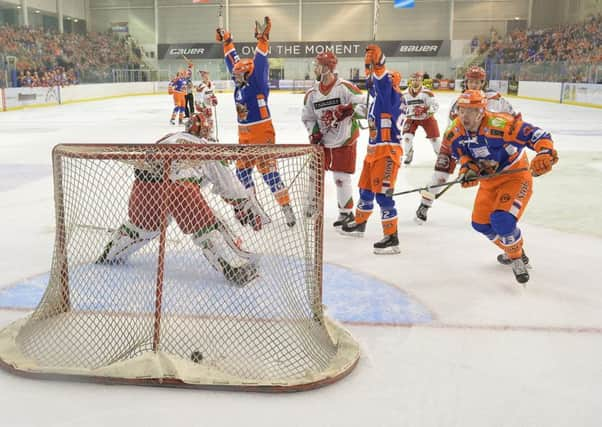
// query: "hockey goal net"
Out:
[157,277]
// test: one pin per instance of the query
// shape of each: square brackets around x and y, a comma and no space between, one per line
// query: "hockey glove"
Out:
[262,31]
[316,137]
[213,100]
[373,59]
[222,35]
[543,161]
[343,111]
[469,174]
[245,215]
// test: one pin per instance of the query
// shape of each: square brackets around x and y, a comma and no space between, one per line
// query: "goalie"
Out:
[187,206]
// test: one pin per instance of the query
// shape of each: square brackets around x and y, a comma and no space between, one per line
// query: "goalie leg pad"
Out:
[225,255]
[126,240]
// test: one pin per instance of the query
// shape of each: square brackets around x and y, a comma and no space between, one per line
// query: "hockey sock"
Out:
[245,176]
[365,205]
[436,145]
[388,213]
[344,191]
[273,180]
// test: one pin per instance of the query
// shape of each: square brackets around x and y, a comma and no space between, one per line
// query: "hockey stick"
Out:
[220,24]
[458,181]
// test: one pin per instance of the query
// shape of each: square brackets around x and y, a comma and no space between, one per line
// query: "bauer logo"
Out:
[420,48]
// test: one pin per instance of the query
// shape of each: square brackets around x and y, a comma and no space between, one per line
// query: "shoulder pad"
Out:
[492,94]
[428,92]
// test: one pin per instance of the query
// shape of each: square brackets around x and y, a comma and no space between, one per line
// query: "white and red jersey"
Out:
[421,103]
[496,103]
[206,95]
[319,107]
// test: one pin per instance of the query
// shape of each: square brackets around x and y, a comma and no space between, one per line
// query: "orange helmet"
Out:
[243,66]
[475,72]
[472,99]
[328,59]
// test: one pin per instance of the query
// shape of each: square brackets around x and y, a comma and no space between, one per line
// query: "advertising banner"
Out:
[346,49]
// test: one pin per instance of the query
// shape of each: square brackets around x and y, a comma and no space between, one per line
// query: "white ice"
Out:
[496,355]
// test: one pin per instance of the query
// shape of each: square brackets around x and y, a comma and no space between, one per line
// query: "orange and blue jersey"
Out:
[252,98]
[498,144]
[385,111]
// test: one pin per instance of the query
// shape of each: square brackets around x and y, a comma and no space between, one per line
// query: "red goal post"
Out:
[168,313]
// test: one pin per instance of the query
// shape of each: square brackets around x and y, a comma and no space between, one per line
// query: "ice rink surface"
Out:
[492,354]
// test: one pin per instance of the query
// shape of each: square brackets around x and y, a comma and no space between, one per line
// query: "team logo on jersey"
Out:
[328,120]
[242,111]
[479,152]
[537,135]
[497,122]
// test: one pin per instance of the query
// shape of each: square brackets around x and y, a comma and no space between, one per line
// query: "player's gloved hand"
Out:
[213,100]
[374,56]
[543,161]
[469,174]
[316,137]
[343,111]
[243,211]
[262,31]
[222,35]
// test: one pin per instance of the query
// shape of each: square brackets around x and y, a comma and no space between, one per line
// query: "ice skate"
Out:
[239,276]
[388,245]
[289,215]
[506,260]
[352,228]
[520,271]
[344,218]
[172,121]
[421,214]
[409,156]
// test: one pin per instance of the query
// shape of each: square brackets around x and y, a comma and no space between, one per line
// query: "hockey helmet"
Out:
[474,72]
[472,99]
[243,69]
[198,125]
[327,59]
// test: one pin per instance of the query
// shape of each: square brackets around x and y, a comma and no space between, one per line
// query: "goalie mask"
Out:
[242,70]
[324,63]
[199,125]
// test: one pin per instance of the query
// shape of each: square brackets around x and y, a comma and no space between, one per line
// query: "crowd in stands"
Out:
[575,46]
[47,57]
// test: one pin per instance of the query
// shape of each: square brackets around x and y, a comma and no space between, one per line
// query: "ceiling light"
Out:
[75,20]
[37,11]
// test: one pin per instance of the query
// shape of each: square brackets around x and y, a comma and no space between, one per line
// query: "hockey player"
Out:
[383,158]
[187,206]
[254,119]
[474,79]
[329,115]
[421,107]
[207,102]
[177,88]
[485,143]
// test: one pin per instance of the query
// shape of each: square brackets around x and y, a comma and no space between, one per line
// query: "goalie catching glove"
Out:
[469,174]
[262,31]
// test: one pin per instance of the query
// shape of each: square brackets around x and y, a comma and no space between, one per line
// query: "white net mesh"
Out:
[167,268]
